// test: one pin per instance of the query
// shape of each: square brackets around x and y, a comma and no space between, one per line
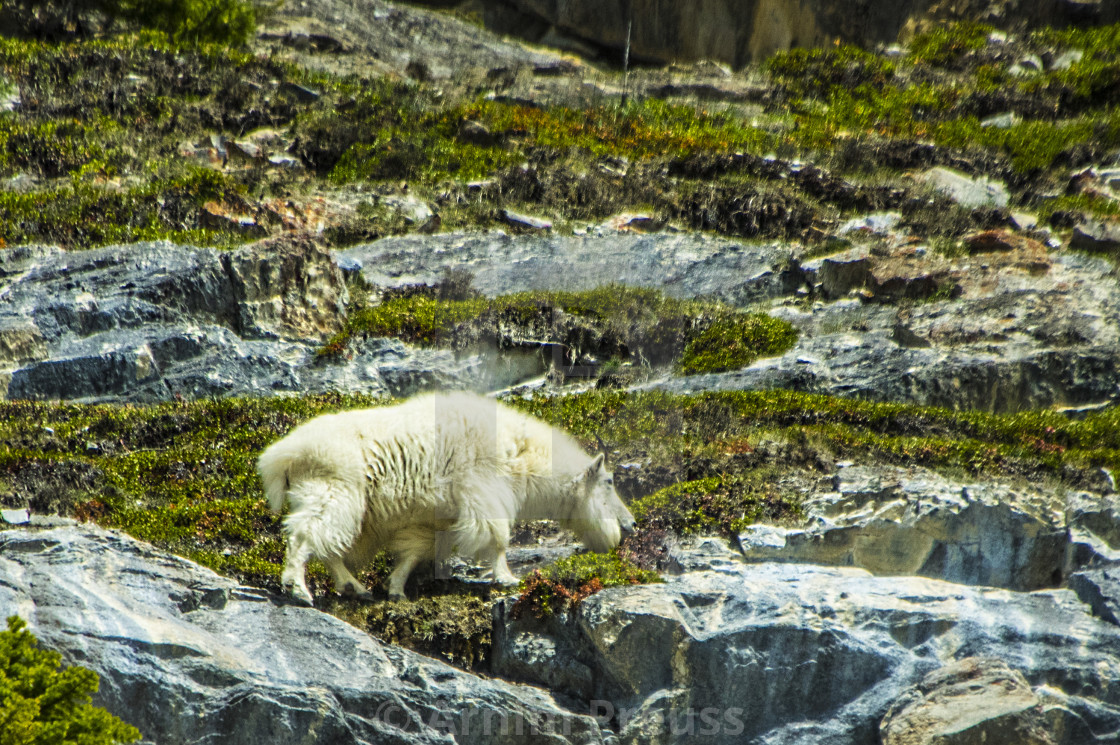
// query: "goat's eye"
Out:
[610,482]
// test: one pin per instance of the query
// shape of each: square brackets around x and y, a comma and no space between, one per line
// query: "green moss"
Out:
[1090,204]
[43,703]
[677,429]
[945,46]
[418,319]
[806,72]
[82,214]
[1031,145]
[734,341]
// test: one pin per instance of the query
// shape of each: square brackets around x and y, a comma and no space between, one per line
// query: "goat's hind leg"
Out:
[295,563]
[325,520]
[345,583]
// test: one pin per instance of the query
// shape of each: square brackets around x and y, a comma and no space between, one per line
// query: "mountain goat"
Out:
[438,474]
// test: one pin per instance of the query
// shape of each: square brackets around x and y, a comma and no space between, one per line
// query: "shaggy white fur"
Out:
[436,475]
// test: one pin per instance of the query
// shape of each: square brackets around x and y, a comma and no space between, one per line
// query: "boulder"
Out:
[188,656]
[1100,590]
[974,700]
[20,342]
[795,653]
[896,521]
[521,222]
[966,191]
[288,287]
[1101,235]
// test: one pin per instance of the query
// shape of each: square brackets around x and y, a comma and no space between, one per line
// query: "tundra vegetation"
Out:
[98,139]
[181,475]
[118,136]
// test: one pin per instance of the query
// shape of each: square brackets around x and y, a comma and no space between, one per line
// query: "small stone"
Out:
[1067,60]
[969,192]
[991,240]
[285,161]
[9,96]
[1031,63]
[16,517]
[22,182]
[1096,236]
[414,210]
[524,222]
[639,223]
[476,133]
[244,151]
[299,92]
[1000,121]
[1024,221]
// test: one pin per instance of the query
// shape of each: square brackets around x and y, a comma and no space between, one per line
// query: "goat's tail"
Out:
[275,465]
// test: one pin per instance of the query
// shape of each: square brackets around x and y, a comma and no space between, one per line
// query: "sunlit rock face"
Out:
[795,653]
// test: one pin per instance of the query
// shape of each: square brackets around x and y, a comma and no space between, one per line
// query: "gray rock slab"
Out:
[794,653]
[882,367]
[915,522]
[1100,589]
[155,321]
[188,656]
[977,699]
[1027,341]
[966,191]
[682,264]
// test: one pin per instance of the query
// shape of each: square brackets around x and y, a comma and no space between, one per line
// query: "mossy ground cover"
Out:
[181,475]
[952,78]
[101,122]
[626,324]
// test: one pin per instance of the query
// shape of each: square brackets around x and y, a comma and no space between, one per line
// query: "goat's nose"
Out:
[627,528]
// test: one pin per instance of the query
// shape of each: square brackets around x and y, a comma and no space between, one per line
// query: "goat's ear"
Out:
[596,465]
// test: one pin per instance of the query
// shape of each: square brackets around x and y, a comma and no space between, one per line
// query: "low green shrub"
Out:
[806,72]
[735,341]
[191,21]
[724,504]
[41,704]
[567,582]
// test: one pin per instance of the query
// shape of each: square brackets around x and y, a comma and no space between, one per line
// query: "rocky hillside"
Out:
[844,319]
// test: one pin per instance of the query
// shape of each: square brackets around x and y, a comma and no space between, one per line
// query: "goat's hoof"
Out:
[353,593]
[397,596]
[299,595]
